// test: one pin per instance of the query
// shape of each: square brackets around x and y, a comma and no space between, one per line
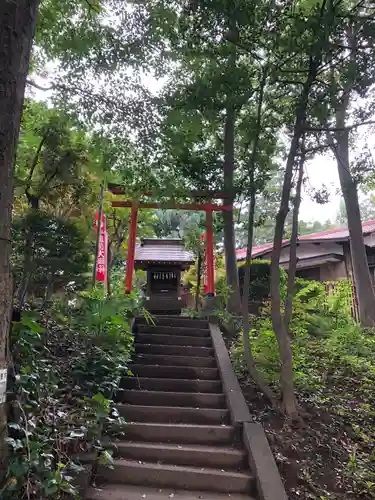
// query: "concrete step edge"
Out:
[172,385]
[177,393]
[189,360]
[163,318]
[178,476]
[198,350]
[171,330]
[174,356]
[177,369]
[174,414]
[187,427]
[184,339]
[172,398]
[120,462]
[171,408]
[131,492]
[182,447]
[176,380]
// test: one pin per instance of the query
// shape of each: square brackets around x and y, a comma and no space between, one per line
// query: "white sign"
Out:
[3,385]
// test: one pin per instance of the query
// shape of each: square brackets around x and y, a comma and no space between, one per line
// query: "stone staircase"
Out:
[178,440]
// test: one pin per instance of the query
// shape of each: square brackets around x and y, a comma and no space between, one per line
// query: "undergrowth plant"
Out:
[67,365]
[334,365]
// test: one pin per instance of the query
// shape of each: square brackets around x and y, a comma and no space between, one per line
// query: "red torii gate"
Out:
[207,207]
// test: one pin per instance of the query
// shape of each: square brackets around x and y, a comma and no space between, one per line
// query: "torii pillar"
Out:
[131,248]
[210,253]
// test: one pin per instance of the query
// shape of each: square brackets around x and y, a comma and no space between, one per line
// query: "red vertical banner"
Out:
[101,265]
[208,288]
[204,266]
[205,280]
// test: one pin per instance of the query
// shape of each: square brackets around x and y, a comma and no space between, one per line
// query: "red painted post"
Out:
[131,248]
[210,254]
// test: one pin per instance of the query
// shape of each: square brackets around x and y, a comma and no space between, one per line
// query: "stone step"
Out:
[173,330]
[178,385]
[181,433]
[179,321]
[174,414]
[162,398]
[185,372]
[173,476]
[198,456]
[166,360]
[129,492]
[159,338]
[174,350]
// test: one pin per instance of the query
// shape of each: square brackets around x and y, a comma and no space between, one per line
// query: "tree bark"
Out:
[199,273]
[34,163]
[249,358]
[33,201]
[362,278]
[17,26]
[234,302]
[283,340]
[340,146]
[293,244]
[27,271]
[48,290]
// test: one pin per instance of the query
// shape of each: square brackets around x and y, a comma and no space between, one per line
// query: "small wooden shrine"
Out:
[163,260]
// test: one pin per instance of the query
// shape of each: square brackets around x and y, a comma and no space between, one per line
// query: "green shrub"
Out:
[260,274]
[265,351]
[68,364]
[325,339]
[223,292]
[60,253]
[334,369]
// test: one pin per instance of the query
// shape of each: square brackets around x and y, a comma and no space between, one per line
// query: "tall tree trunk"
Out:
[17,25]
[282,336]
[199,276]
[48,290]
[362,278]
[283,340]
[293,244]
[249,358]
[234,302]
[34,202]
[28,258]
[340,146]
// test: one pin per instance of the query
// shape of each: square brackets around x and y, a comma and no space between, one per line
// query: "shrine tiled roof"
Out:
[159,250]
[340,234]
